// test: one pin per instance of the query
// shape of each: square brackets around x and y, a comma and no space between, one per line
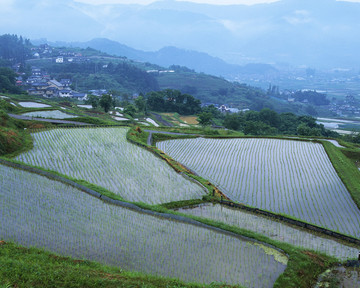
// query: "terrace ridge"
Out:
[292,221]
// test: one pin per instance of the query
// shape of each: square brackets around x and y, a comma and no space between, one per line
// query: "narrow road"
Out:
[161,120]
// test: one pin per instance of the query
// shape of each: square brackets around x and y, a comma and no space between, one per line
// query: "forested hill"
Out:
[14,49]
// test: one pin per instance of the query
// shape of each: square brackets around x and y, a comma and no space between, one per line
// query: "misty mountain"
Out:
[168,56]
[320,34]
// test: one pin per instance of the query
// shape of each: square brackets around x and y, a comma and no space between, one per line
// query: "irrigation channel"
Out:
[44,210]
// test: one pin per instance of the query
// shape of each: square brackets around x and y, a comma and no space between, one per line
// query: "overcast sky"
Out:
[6,4]
[216,2]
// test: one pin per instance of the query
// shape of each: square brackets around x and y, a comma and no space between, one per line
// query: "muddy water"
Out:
[344,277]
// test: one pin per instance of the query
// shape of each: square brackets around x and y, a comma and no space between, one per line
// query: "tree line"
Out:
[269,122]
[14,49]
[168,100]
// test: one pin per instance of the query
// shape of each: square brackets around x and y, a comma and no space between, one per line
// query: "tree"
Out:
[193,105]
[308,121]
[288,123]
[258,128]
[156,101]
[303,130]
[7,81]
[93,101]
[213,110]
[252,116]
[269,117]
[233,121]
[205,118]
[106,102]
[130,110]
[140,104]
[14,49]
[170,100]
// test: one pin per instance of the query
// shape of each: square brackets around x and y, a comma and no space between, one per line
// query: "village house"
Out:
[55,84]
[59,60]
[66,82]
[79,96]
[65,93]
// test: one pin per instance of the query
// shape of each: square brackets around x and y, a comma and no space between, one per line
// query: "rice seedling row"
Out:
[37,211]
[103,156]
[282,176]
[273,229]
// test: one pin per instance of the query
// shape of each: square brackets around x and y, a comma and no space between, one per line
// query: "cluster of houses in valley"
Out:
[41,84]
[349,107]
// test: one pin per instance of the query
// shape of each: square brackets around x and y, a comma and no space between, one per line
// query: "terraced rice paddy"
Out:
[36,211]
[104,157]
[290,177]
[273,229]
[85,106]
[55,114]
[190,120]
[33,105]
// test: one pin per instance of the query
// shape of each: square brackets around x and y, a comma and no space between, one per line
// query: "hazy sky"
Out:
[216,2]
[222,2]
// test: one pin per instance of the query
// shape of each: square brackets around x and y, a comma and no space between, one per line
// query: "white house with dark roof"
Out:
[79,96]
[59,59]
[65,93]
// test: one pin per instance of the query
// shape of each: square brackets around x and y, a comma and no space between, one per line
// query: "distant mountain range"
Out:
[312,33]
[168,56]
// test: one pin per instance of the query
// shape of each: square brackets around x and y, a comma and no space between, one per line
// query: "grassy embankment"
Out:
[30,267]
[14,137]
[346,168]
